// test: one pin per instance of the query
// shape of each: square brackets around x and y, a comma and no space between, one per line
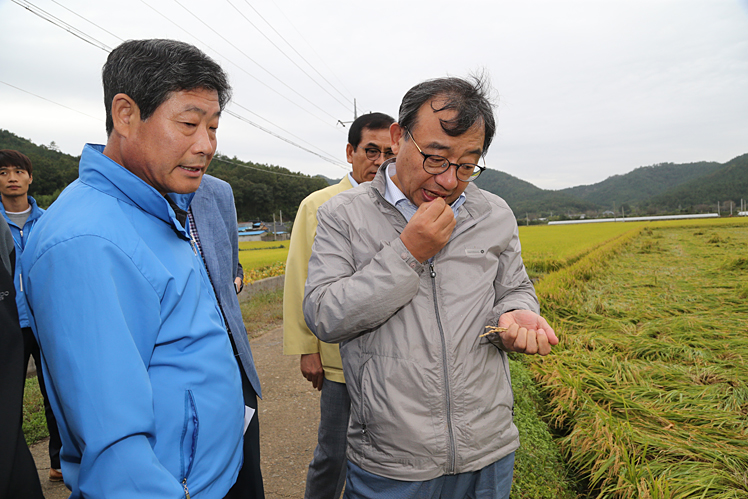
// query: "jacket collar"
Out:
[475,208]
[109,177]
[36,212]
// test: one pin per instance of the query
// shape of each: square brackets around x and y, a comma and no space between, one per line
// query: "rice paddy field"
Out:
[547,248]
[261,259]
[647,394]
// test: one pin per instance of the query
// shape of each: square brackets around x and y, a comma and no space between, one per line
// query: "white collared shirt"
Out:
[353,182]
[395,197]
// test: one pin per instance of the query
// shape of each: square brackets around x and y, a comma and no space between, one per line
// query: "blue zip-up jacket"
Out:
[138,364]
[20,236]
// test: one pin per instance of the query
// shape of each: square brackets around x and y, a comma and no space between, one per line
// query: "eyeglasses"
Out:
[372,153]
[435,165]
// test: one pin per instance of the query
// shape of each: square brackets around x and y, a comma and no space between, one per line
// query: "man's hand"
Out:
[526,332]
[429,229]
[311,368]
[238,284]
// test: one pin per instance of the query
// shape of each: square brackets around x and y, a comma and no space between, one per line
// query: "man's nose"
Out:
[204,142]
[379,160]
[448,178]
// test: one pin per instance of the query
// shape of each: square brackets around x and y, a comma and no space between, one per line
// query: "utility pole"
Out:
[281,216]
[275,237]
[355,110]
[718,212]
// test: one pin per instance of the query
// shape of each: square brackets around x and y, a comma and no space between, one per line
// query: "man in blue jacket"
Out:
[21,212]
[138,364]
[213,224]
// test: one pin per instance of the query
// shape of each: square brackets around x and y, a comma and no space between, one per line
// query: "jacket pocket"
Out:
[190,430]
[364,382]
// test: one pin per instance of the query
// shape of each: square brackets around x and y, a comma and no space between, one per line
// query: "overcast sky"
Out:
[584,89]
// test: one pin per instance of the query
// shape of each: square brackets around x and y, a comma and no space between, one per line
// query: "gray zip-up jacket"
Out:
[429,397]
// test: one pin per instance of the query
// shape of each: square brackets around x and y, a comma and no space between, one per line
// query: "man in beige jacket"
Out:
[368,147]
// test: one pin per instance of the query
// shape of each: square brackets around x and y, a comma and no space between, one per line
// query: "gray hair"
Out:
[470,99]
[149,71]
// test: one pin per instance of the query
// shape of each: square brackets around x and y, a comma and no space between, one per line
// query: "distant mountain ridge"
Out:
[259,191]
[656,189]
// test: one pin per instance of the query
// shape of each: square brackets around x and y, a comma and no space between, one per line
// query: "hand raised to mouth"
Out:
[429,229]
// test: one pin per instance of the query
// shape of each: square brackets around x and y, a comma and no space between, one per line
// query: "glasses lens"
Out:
[435,164]
[372,153]
[466,171]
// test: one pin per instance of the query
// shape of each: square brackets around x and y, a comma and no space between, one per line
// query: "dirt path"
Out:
[289,415]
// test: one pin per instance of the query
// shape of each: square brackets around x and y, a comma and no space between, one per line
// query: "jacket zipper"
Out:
[451,449]
[186,490]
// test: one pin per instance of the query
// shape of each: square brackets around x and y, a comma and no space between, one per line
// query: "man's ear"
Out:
[31,178]
[125,114]
[396,133]
[349,150]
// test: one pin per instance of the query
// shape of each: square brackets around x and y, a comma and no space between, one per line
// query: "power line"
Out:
[283,129]
[238,66]
[90,22]
[62,24]
[53,102]
[223,160]
[242,118]
[287,56]
[107,49]
[255,62]
[294,49]
[310,45]
[215,158]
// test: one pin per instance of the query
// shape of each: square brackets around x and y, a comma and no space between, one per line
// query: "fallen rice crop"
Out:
[649,387]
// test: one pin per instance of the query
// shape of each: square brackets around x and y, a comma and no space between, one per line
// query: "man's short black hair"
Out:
[371,121]
[149,71]
[10,157]
[469,98]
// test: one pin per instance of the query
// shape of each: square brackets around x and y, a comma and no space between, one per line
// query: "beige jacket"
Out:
[297,338]
[429,397]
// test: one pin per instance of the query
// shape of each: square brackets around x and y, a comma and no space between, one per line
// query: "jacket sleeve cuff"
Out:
[399,247]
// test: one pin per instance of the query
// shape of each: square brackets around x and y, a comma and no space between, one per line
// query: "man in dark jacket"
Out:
[21,212]
[18,477]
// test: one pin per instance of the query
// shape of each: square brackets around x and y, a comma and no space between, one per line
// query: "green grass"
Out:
[262,312]
[539,469]
[34,422]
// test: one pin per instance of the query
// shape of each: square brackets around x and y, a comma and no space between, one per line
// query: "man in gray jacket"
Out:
[406,273]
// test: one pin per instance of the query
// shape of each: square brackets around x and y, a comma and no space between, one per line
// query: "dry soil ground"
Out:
[289,414]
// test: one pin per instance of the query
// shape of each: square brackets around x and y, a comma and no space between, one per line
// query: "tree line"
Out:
[259,190]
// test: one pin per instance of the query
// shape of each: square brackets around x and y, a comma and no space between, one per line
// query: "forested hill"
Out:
[640,185]
[727,183]
[259,190]
[263,190]
[657,189]
[53,170]
[525,198]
